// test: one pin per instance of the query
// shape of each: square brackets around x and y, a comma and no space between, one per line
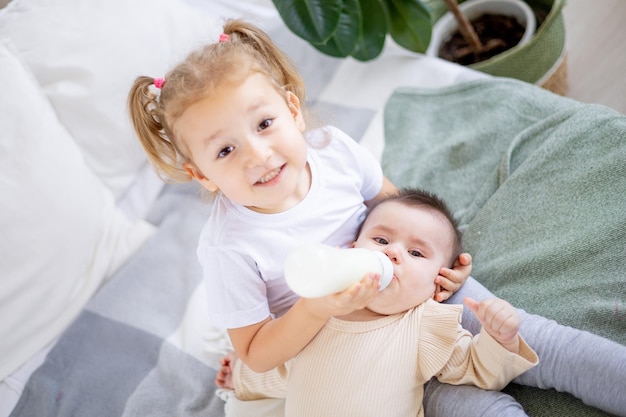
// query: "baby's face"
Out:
[418,242]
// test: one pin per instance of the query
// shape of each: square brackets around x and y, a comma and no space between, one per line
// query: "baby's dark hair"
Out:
[244,49]
[415,197]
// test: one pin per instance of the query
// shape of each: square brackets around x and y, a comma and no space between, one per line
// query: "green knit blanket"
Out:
[538,182]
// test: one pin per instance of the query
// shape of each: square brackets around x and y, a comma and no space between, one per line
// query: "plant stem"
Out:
[465,27]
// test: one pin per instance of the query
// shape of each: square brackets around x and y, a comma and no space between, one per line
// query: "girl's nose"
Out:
[259,151]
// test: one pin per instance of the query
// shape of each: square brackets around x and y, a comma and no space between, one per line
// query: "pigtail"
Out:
[148,122]
[278,63]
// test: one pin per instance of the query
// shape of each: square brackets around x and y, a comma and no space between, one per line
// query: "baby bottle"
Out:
[316,270]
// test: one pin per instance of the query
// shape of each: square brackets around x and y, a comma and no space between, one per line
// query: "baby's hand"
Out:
[450,280]
[356,297]
[224,378]
[500,320]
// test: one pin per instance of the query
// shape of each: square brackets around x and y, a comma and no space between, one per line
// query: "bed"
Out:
[100,282]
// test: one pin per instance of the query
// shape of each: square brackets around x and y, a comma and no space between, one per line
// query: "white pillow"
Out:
[86,54]
[61,233]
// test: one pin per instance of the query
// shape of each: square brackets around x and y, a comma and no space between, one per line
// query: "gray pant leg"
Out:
[583,364]
[443,400]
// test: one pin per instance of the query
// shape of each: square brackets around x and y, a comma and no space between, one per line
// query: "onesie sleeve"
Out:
[490,365]
[439,325]
[482,361]
[250,385]
[478,360]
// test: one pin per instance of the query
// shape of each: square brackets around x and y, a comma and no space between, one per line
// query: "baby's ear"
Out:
[353,244]
[197,175]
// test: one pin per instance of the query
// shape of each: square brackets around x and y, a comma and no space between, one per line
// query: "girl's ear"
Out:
[294,105]
[197,175]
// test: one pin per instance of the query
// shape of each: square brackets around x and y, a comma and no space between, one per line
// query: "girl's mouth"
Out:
[270,175]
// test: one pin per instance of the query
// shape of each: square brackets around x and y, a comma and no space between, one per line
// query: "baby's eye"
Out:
[381,240]
[224,152]
[416,254]
[265,124]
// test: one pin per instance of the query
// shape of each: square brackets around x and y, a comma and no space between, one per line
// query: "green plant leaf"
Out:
[344,40]
[410,24]
[330,48]
[373,30]
[315,21]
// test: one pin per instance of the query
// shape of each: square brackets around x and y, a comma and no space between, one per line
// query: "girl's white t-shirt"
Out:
[242,252]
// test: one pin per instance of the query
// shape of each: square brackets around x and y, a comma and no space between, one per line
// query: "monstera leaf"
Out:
[357,28]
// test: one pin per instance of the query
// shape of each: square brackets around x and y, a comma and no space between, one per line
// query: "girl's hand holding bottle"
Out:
[355,297]
[337,281]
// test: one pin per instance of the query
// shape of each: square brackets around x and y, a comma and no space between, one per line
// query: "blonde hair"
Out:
[153,114]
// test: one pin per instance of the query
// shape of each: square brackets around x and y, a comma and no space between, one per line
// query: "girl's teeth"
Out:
[269,176]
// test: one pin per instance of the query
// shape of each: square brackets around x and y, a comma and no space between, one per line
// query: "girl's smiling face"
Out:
[418,241]
[245,139]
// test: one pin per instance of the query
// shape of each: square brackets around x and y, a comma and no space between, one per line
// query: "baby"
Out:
[375,361]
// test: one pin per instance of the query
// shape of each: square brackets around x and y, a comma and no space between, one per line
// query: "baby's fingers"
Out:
[497,316]
[450,280]
[441,294]
[464,259]
[472,305]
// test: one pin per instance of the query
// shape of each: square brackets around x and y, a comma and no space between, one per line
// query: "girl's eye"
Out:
[381,240]
[265,124]
[416,253]
[224,152]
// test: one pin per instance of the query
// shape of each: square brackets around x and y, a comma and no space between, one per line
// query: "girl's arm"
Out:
[272,342]
[387,189]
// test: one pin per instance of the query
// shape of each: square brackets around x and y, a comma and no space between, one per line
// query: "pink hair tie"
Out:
[224,37]
[158,82]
